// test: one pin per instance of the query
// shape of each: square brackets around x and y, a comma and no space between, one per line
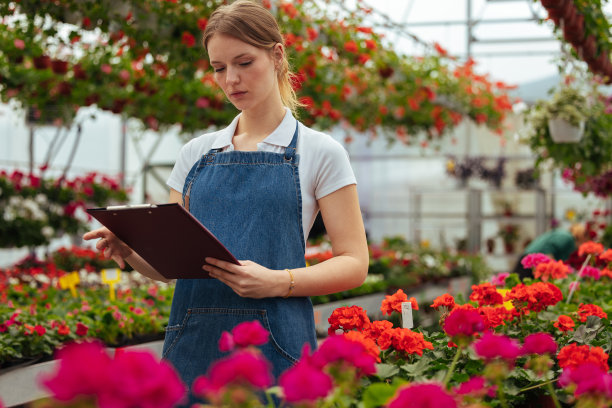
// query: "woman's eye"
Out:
[244,64]
[219,69]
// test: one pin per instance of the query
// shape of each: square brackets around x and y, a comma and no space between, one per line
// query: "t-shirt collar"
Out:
[281,136]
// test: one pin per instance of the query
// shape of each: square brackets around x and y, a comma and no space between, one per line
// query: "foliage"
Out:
[590,156]
[474,167]
[36,209]
[509,233]
[142,59]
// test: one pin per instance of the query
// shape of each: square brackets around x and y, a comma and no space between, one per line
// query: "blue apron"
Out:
[252,202]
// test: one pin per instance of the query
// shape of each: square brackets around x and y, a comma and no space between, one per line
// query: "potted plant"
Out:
[565,114]
[509,234]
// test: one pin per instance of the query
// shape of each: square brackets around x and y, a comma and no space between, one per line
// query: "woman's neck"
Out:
[253,127]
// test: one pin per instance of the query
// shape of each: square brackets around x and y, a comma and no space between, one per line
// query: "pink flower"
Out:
[533,260]
[573,286]
[81,329]
[463,322]
[226,342]
[590,272]
[539,343]
[138,379]
[81,370]
[242,367]
[415,395]
[250,333]
[19,43]
[499,279]
[491,346]
[202,103]
[292,381]
[107,69]
[589,379]
[339,348]
[476,387]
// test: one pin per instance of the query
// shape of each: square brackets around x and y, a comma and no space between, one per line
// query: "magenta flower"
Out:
[304,372]
[499,279]
[491,346]
[139,379]
[590,272]
[250,333]
[339,348]
[476,387]
[226,342]
[19,43]
[589,378]
[533,260]
[415,395]
[242,367]
[466,322]
[82,369]
[539,343]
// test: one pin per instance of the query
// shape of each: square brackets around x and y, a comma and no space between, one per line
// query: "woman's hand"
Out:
[111,246]
[249,279]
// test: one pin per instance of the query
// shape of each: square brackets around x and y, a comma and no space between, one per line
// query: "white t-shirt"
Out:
[323,167]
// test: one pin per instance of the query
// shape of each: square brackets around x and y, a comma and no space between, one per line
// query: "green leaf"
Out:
[384,371]
[377,395]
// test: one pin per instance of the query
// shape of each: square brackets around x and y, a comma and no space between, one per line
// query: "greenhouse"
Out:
[312,203]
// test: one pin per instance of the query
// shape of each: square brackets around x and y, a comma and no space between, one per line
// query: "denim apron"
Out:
[252,202]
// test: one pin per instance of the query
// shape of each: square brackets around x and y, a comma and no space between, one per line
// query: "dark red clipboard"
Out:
[167,236]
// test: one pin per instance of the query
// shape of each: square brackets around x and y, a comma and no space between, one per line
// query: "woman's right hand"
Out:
[111,246]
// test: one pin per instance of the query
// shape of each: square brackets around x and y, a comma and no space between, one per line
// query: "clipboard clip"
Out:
[125,207]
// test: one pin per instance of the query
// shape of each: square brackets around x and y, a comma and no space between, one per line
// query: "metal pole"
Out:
[31,149]
[122,149]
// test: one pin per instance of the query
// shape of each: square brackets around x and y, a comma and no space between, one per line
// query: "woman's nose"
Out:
[232,75]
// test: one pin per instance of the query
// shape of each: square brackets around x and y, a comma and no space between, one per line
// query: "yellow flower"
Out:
[450,166]
[570,214]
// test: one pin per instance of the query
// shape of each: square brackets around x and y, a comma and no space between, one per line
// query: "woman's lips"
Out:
[238,94]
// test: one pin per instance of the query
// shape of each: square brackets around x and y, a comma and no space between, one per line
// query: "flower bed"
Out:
[512,343]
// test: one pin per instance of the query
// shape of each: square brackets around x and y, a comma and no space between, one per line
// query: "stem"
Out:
[449,373]
[553,395]
[536,386]
[501,395]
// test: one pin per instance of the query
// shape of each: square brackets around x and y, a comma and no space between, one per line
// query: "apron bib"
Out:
[252,202]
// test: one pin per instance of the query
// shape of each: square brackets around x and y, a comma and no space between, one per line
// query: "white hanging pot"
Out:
[561,131]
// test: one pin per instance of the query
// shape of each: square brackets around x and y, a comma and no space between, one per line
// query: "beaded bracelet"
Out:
[291,284]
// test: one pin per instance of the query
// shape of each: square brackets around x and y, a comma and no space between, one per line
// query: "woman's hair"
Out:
[253,24]
[578,231]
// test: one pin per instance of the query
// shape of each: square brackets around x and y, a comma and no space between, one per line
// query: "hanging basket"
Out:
[561,131]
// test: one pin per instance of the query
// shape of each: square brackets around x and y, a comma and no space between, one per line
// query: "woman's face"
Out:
[246,73]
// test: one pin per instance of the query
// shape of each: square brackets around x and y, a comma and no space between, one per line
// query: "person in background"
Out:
[558,243]
[257,185]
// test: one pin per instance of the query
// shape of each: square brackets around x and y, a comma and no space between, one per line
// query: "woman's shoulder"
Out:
[201,144]
[320,142]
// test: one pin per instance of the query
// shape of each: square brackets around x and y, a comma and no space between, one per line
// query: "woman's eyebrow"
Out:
[236,57]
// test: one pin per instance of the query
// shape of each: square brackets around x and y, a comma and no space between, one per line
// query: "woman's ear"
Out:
[278,53]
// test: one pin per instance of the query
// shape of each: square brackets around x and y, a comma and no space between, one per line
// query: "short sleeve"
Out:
[333,168]
[185,161]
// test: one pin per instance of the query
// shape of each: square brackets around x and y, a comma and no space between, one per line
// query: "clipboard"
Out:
[167,236]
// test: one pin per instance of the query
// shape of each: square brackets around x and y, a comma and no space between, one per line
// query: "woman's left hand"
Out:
[249,279]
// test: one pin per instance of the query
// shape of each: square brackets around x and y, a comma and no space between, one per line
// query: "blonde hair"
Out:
[253,24]
[578,231]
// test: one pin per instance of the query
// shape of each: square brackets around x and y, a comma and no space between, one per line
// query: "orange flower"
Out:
[394,302]
[351,46]
[486,294]
[494,316]
[535,297]
[590,247]
[573,355]
[564,323]
[606,272]
[587,310]
[347,318]
[606,256]
[445,300]
[377,327]
[410,342]
[551,269]
[367,343]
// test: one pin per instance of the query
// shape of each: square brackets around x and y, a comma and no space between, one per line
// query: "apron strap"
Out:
[290,150]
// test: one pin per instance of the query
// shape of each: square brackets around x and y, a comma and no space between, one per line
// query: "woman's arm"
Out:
[117,250]
[347,269]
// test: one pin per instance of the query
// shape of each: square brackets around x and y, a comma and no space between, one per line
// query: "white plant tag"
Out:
[407,315]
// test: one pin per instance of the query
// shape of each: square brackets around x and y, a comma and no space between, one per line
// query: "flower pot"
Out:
[561,131]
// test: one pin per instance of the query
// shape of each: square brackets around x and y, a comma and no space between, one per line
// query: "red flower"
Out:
[574,355]
[393,303]
[493,346]
[494,316]
[81,329]
[250,333]
[347,318]
[376,328]
[486,294]
[63,330]
[564,323]
[188,39]
[339,349]
[539,343]
[606,256]
[443,52]
[370,44]
[409,342]
[366,341]
[551,270]
[445,300]
[535,297]
[585,311]
[312,33]
[593,248]
[351,46]
[202,22]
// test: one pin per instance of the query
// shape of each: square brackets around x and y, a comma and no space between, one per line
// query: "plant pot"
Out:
[509,247]
[561,131]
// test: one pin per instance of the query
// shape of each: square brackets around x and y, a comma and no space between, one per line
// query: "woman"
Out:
[257,185]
